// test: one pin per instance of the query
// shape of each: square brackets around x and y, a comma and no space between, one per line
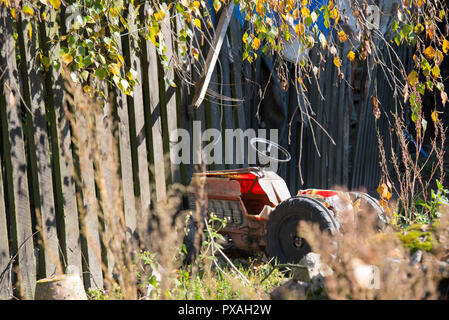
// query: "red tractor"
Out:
[262,215]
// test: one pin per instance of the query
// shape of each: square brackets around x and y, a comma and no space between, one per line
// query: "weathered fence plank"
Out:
[155,122]
[215,115]
[87,196]
[236,53]
[111,199]
[121,107]
[91,245]
[16,165]
[5,287]
[61,148]
[32,81]
[137,111]
[184,116]
[228,114]
[170,96]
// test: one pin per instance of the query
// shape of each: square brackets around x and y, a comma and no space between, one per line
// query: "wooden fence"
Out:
[37,160]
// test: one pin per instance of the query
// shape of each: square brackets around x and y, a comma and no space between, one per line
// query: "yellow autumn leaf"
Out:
[28,11]
[297,30]
[55,3]
[302,28]
[342,36]
[259,8]
[435,71]
[87,89]
[196,4]
[382,190]
[434,116]
[296,13]
[197,22]
[245,37]
[351,55]
[195,53]
[256,43]
[30,31]
[13,13]
[439,57]
[67,58]
[114,68]
[413,78]
[429,31]
[217,5]
[305,12]
[445,46]
[335,15]
[160,15]
[430,53]
[337,62]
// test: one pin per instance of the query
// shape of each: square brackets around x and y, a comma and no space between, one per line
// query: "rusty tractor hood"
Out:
[251,180]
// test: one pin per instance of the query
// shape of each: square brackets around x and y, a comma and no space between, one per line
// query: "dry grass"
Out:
[360,245]
[351,253]
[408,175]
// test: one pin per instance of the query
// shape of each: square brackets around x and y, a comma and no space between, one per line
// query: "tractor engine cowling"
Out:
[231,210]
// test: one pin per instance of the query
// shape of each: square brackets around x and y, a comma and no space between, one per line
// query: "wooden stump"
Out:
[62,287]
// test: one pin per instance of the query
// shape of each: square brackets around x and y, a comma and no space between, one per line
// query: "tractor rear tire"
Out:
[284,244]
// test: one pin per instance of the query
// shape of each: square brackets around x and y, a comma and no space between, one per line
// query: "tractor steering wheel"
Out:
[266,154]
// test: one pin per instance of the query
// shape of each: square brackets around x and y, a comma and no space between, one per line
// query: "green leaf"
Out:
[406,29]
[308,21]
[398,39]
[101,59]
[179,8]
[88,43]
[101,73]
[87,61]
[82,50]
[46,62]
[425,66]
[421,87]
[85,75]
[394,26]
[436,71]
